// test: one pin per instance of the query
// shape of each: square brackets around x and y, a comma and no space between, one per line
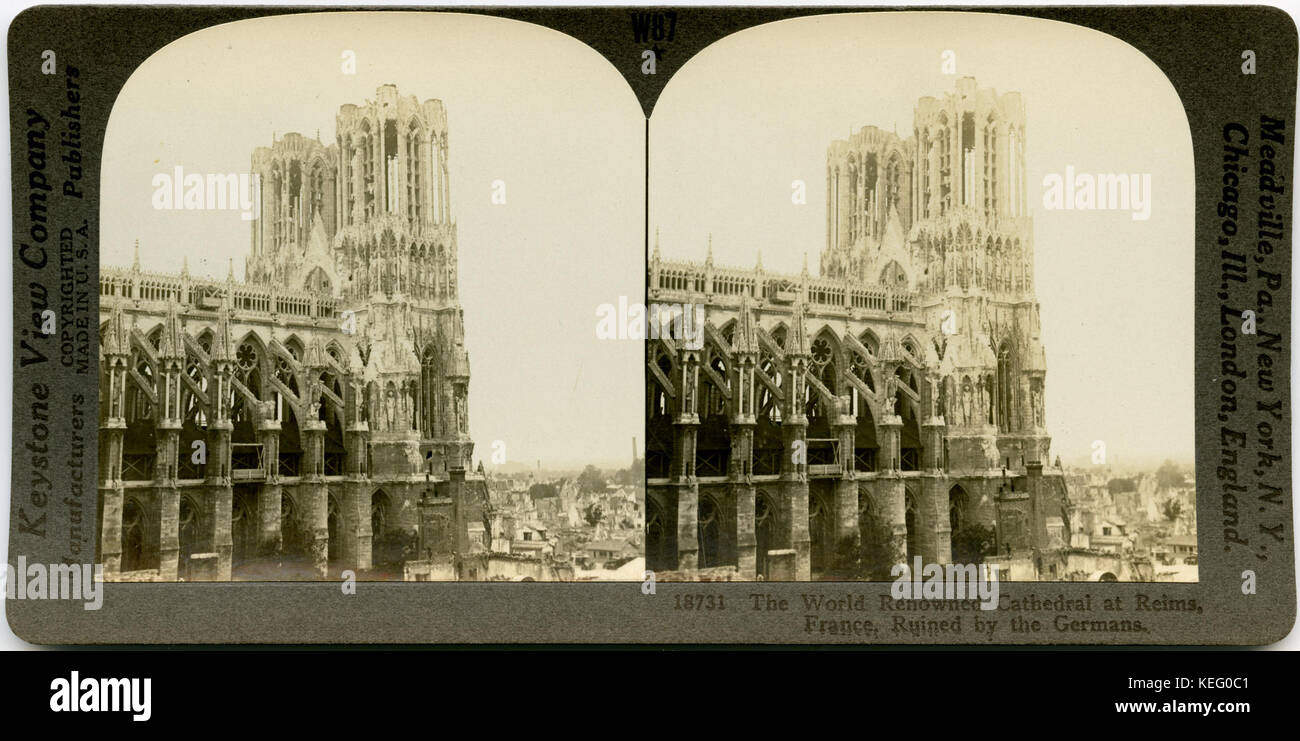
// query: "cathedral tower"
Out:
[973,269]
[367,221]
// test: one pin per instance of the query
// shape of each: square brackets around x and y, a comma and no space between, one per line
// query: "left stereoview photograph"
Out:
[298,271]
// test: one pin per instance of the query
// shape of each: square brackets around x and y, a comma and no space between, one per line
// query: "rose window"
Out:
[821,351]
[246,356]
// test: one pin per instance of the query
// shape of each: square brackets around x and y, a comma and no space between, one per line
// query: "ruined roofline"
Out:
[987,100]
[432,112]
[964,94]
[872,138]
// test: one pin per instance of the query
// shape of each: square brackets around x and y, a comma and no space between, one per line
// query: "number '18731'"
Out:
[699,602]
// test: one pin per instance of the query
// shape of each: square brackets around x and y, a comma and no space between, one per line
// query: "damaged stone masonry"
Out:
[897,396]
[312,418]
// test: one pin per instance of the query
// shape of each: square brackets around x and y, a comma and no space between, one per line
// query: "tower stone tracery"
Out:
[327,392]
[906,380]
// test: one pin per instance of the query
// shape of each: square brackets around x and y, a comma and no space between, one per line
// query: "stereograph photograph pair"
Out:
[928,325]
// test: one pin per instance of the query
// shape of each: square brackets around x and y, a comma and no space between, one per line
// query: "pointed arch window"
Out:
[427,398]
[414,165]
[1005,390]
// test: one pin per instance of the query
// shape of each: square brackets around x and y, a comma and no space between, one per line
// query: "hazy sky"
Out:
[758,109]
[526,105]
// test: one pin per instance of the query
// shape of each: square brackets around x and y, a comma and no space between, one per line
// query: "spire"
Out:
[169,345]
[744,339]
[135,264]
[759,267]
[893,237]
[709,259]
[185,266]
[313,355]
[656,252]
[230,271]
[115,341]
[221,338]
[804,271]
[798,342]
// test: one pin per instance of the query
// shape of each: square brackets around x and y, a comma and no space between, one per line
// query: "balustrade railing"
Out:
[119,284]
[818,292]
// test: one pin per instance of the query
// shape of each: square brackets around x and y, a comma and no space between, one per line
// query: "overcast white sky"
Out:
[758,109]
[526,105]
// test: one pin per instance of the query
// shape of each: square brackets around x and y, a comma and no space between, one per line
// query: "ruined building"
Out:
[897,396]
[313,417]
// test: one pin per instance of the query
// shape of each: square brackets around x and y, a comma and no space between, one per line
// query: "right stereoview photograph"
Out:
[930,279]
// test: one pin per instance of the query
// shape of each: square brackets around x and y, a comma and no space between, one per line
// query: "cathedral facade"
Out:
[894,402]
[313,417]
